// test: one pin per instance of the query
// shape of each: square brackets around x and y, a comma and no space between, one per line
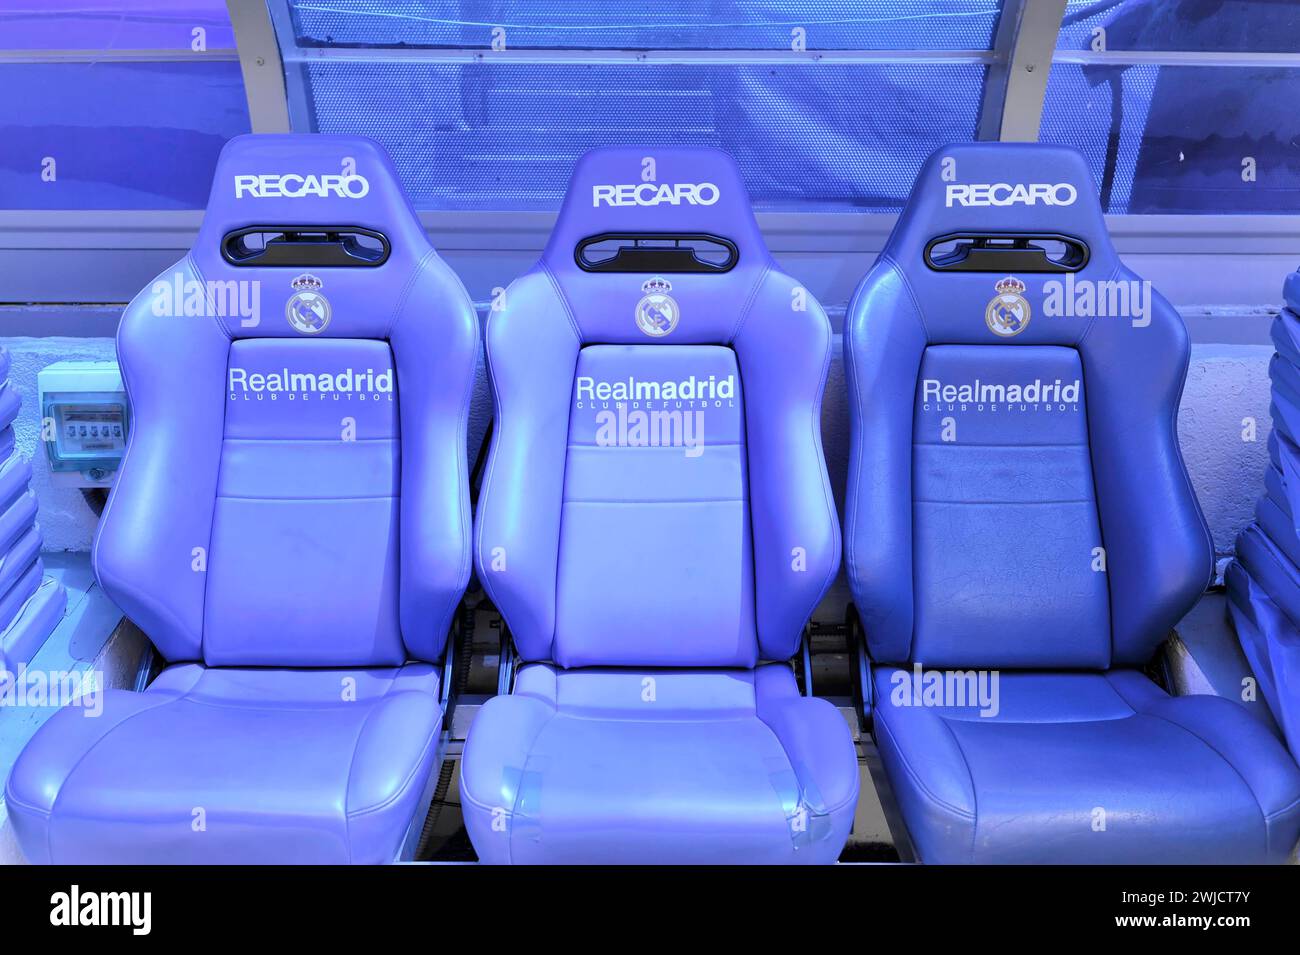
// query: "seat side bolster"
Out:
[952,791]
[40,773]
[532,356]
[404,722]
[1159,559]
[434,340]
[1137,690]
[783,351]
[155,525]
[493,769]
[814,736]
[882,359]
[401,731]
[1257,756]
[932,780]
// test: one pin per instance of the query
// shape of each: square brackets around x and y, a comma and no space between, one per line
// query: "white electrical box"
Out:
[84,421]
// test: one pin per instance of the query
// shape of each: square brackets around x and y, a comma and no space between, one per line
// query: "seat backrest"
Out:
[656,493]
[1016,494]
[294,490]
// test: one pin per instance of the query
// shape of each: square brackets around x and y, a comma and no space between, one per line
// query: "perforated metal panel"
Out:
[1164,137]
[674,24]
[1232,26]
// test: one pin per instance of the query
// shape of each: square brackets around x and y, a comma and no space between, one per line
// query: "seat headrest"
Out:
[1001,188]
[637,199]
[315,222]
[673,189]
[1006,244]
[297,179]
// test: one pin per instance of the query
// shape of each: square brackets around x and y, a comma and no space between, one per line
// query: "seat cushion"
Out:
[233,766]
[1084,768]
[658,766]
[1263,602]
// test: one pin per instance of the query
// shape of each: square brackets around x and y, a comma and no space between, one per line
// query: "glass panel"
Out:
[119,135]
[114,25]
[1234,26]
[79,133]
[505,136]
[670,24]
[1181,139]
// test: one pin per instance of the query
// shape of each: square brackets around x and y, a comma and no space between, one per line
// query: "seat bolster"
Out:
[882,360]
[492,769]
[1227,728]
[1257,756]
[152,522]
[435,362]
[1136,689]
[418,678]
[815,737]
[179,679]
[1159,559]
[931,777]
[396,734]
[40,772]
[532,348]
[401,733]
[784,356]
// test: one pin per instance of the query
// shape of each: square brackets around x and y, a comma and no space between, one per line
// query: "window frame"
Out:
[105,257]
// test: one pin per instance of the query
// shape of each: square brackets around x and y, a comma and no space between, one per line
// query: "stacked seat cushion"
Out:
[31,604]
[1264,578]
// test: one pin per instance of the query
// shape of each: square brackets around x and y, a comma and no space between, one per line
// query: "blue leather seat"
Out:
[1018,510]
[290,527]
[656,526]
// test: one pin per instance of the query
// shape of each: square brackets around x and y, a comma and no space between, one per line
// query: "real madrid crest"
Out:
[1007,313]
[657,312]
[307,310]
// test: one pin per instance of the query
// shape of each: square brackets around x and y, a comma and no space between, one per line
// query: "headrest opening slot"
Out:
[271,246]
[656,252]
[1006,252]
